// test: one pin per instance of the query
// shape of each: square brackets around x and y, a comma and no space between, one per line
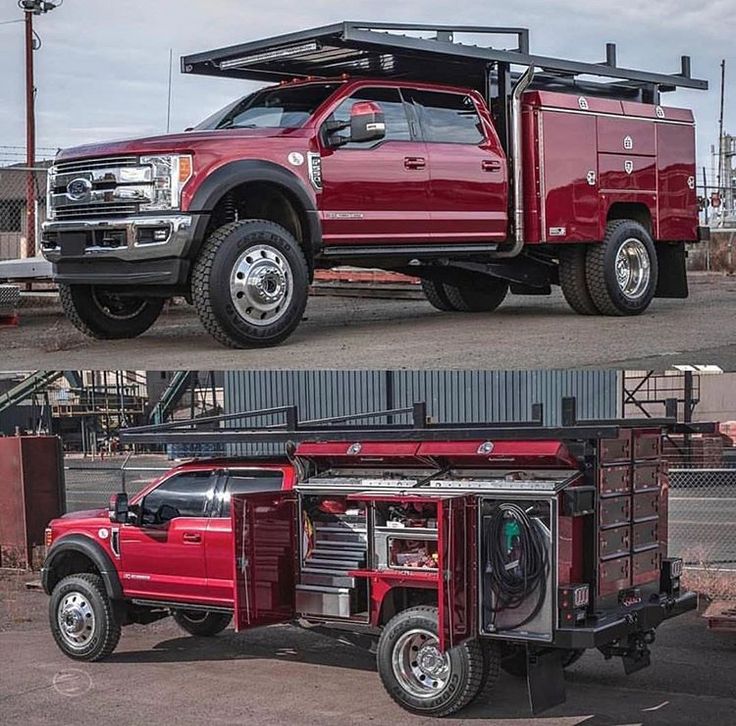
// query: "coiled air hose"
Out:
[516,562]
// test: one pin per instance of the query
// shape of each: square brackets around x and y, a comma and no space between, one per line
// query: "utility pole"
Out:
[721,150]
[31,8]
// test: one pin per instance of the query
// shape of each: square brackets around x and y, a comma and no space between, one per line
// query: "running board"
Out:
[169,604]
[407,251]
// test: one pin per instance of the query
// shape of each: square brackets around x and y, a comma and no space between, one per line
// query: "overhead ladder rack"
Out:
[421,52]
[236,429]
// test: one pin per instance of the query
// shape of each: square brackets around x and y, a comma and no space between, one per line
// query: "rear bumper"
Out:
[596,632]
[121,251]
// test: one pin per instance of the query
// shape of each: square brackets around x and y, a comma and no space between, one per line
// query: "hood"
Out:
[173,143]
[85,514]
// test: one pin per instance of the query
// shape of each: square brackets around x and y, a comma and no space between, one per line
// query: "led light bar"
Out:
[287,52]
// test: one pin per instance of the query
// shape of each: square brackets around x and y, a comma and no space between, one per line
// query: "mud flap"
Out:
[672,281]
[545,679]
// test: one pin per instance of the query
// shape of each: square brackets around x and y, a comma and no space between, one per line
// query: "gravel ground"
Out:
[343,332]
[284,675]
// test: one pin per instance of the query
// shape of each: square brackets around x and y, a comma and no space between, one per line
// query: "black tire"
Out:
[435,293]
[491,671]
[212,276]
[81,602]
[466,666]
[100,313]
[513,659]
[573,280]
[201,622]
[600,270]
[475,298]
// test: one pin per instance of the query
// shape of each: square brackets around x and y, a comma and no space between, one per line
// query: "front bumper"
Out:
[602,630]
[142,250]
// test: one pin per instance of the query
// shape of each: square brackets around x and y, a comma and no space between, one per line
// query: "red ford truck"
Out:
[455,549]
[382,147]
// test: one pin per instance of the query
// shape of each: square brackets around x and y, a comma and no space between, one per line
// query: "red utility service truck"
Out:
[455,549]
[480,170]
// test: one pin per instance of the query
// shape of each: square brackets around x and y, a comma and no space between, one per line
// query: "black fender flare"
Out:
[86,546]
[235,173]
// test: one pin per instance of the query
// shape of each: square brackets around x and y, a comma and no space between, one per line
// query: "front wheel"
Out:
[103,314]
[250,284]
[202,622]
[622,271]
[417,675]
[81,618]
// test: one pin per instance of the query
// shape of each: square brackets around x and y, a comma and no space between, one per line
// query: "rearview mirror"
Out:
[367,122]
[118,508]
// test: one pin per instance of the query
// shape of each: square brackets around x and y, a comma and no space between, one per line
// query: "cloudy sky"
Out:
[102,70]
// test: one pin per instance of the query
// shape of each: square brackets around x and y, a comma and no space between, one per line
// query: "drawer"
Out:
[645,534]
[614,575]
[615,449]
[645,476]
[646,506]
[317,600]
[616,510]
[614,542]
[614,480]
[646,566]
[647,446]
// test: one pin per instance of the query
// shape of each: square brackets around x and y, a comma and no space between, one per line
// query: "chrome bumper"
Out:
[86,239]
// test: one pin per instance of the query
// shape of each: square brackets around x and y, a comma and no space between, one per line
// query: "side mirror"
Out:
[367,122]
[118,508]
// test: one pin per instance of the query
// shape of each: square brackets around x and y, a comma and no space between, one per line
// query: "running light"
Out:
[278,54]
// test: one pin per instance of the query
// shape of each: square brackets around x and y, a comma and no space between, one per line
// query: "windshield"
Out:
[272,108]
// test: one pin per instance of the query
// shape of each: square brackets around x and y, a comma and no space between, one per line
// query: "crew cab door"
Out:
[264,557]
[163,554]
[219,550]
[376,193]
[467,167]
[458,555]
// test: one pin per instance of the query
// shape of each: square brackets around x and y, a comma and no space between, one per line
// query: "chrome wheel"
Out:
[633,268]
[116,307]
[76,620]
[261,285]
[419,666]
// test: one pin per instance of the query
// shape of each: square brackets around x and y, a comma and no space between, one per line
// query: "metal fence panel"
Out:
[13,207]
[702,516]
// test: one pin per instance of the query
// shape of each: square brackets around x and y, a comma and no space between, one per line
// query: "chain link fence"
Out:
[14,213]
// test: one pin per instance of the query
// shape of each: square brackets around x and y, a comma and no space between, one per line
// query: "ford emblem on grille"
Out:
[78,189]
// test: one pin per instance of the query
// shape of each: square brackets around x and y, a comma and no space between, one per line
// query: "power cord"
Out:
[517,562]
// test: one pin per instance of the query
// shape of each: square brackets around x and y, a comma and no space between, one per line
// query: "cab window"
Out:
[447,118]
[182,495]
[247,482]
[394,110]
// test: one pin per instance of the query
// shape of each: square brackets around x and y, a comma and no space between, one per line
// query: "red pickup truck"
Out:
[456,549]
[421,155]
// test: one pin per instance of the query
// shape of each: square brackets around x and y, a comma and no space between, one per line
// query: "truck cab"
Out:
[420,155]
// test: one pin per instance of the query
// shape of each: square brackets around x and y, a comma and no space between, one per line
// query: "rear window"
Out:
[448,118]
[249,482]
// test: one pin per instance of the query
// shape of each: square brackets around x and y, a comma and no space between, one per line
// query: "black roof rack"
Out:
[366,49]
[418,427]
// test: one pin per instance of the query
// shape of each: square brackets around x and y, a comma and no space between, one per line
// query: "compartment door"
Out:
[457,591]
[264,562]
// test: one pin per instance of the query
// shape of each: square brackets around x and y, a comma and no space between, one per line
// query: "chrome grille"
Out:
[65,167]
[91,211]
[112,190]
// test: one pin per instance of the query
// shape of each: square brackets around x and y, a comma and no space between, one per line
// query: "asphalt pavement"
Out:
[351,332]
[285,675]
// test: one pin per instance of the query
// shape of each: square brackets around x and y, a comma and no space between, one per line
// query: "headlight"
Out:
[170,174]
[50,183]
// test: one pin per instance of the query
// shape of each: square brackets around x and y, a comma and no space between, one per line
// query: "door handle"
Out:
[192,537]
[491,165]
[414,162]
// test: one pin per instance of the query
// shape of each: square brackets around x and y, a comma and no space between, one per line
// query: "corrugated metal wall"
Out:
[451,396]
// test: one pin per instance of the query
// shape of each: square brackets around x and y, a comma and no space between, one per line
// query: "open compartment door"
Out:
[264,540]
[457,591]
